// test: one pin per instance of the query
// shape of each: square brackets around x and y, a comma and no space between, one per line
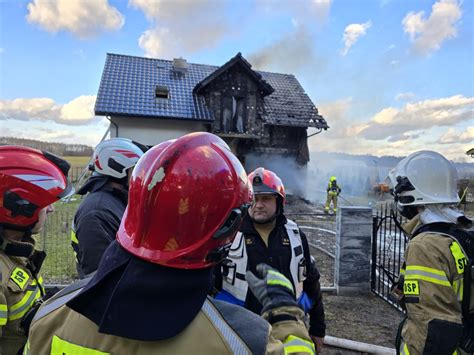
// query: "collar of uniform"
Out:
[132,298]
[101,183]
[412,225]
[94,183]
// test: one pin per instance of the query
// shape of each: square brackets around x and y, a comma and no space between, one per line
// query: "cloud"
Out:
[405,96]
[55,132]
[78,111]
[84,19]
[352,33]
[428,34]
[454,136]
[441,112]
[181,27]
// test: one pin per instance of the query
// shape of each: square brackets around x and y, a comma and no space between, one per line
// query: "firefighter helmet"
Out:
[113,157]
[30,180]
[265,181]
[424,177]
[187,198]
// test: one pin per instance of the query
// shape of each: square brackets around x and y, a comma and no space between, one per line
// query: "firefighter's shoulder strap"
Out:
[60,298]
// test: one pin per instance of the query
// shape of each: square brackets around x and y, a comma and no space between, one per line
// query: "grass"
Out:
[55,239]
[77,161]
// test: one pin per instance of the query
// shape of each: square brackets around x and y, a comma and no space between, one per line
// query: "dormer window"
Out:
[162,92]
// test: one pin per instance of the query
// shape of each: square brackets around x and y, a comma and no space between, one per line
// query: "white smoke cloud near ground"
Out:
[182,26]
[84,19]
[352,33]
[427,34]
[79,111]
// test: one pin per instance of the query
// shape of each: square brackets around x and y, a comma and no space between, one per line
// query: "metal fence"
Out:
[319,228]
[55,239]
[388,248]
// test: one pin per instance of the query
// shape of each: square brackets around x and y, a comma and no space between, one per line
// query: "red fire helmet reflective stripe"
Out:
[186,201]
[29,181]
[265,181]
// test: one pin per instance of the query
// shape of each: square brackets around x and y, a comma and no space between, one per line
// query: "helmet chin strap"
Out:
[407,211]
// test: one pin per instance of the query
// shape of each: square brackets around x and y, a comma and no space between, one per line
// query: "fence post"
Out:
[375,221]
[353,250]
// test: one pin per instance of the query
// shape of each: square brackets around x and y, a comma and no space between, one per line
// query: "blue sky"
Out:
[390,76]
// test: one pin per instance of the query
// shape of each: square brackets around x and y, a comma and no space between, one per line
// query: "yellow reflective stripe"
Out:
[426,269]
[459,258]
[19,309]
[3,314]
[405,349]
[74,237]
[418,272]
[26,350]
[61,347]
[402,271]
[294,344]
[276,278]
[458,286]
[429,279]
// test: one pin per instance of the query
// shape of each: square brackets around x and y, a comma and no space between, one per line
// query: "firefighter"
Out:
[333,190]
[98,217]
[30,181]
[431,283]
[267,236]
[149,295]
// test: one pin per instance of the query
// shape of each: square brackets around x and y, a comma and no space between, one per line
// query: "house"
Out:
[255,112]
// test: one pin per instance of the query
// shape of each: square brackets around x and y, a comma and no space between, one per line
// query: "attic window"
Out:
[162,92]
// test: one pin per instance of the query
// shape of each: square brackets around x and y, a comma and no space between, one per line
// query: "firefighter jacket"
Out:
[96,222]
[432,278]
[20,289]
[333,188]
[153,309]
[288,252]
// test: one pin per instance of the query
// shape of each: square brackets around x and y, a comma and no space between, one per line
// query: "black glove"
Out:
[271,288]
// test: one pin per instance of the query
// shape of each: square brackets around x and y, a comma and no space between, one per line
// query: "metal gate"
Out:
[388,248]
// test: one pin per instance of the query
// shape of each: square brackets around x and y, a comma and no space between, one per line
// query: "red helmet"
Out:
[265,181]
[187,198]
[30,180]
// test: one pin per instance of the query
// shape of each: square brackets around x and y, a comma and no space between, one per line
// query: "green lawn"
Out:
[55,239]
[77,161]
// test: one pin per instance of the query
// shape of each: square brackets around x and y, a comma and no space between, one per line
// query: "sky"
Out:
[390,76]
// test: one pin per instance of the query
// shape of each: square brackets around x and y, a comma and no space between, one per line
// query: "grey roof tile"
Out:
[128,84]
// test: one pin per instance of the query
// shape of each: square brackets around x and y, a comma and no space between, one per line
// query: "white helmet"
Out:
[422,178]
[115,156]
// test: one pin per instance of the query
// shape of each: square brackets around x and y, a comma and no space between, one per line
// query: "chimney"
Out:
[180,65]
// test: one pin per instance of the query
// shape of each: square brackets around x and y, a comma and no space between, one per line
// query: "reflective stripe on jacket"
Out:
[219,328]
[432,288]
[19,291]
[233,279]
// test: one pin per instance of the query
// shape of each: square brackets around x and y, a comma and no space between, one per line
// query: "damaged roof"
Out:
[128,85]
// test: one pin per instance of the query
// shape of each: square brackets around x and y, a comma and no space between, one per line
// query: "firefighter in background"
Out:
[333,191]
[431,282]
[30,181]
[149,295]
[267,236]
[98,217]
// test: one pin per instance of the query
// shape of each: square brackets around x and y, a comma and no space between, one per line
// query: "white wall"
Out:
[152,131]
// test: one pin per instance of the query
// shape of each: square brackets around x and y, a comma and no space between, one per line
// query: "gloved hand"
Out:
[271,288]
